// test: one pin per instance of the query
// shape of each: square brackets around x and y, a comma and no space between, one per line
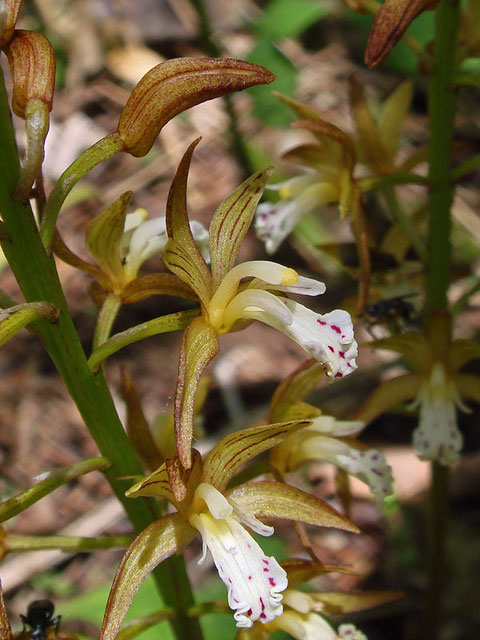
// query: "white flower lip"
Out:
[254,580]
[438,437]
[328,338]
[367,465]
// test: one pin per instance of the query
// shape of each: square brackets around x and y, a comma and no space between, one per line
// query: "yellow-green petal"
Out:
[153,545]
[461,352]
[295,388]
[279,500]
[199,346]
[238,448]
[414,346]
[371,149]
[181,254]
[103,238]
[336,602]
[468,386]
[392,118]
[155,284]
[231,222]
[388,395]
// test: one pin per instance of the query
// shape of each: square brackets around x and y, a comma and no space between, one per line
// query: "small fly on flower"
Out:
[397,312]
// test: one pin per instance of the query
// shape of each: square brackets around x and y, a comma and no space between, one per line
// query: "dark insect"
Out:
[39,618]
[397,311]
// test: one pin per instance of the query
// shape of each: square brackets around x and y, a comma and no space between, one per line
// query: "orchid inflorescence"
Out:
[233,490]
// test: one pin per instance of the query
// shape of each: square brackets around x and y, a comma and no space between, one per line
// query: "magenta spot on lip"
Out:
[265,561]
[230,581]
[379,473]
[331,348]
[263,616]
[263,606]
[249,577]
[339,375]
[375,456]
[322,322]
[265,569]
[341,354]
[249,612]
[335,328]
[272,582]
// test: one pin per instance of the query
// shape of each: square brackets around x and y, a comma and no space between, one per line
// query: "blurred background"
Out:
[103,48]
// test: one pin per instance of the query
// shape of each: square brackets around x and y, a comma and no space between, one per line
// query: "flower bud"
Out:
[8,18]
[392,20]
[176,85]
[32,64]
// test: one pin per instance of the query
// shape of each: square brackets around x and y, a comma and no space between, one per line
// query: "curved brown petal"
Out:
[176,85]
[389,25]
[199,346]
[181,254]
[153,545]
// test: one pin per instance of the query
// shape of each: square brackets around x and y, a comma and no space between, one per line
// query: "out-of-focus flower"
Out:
[438,387]
[329,165]
[326,439]
[120,243]
[229,301]
[254,581]
[304,611]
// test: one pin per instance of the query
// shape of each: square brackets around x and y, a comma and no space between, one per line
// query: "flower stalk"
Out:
[37,277]
[441,97]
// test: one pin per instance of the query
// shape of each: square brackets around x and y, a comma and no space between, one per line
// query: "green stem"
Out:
[37,277]
[171,322]
[69,544]
[390,180]
[467,167]
[404,222]
[441,100]
[54,479]
[436,559]
[106,318]
[97,153]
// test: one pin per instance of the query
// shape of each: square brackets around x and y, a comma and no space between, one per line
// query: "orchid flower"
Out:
[229,301]
[120,242]
[326,439]
[437,387]
[255,582]
[328,167]
[304,611]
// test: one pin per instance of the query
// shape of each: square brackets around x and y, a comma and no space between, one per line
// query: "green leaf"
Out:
[287,19]
[267,108]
